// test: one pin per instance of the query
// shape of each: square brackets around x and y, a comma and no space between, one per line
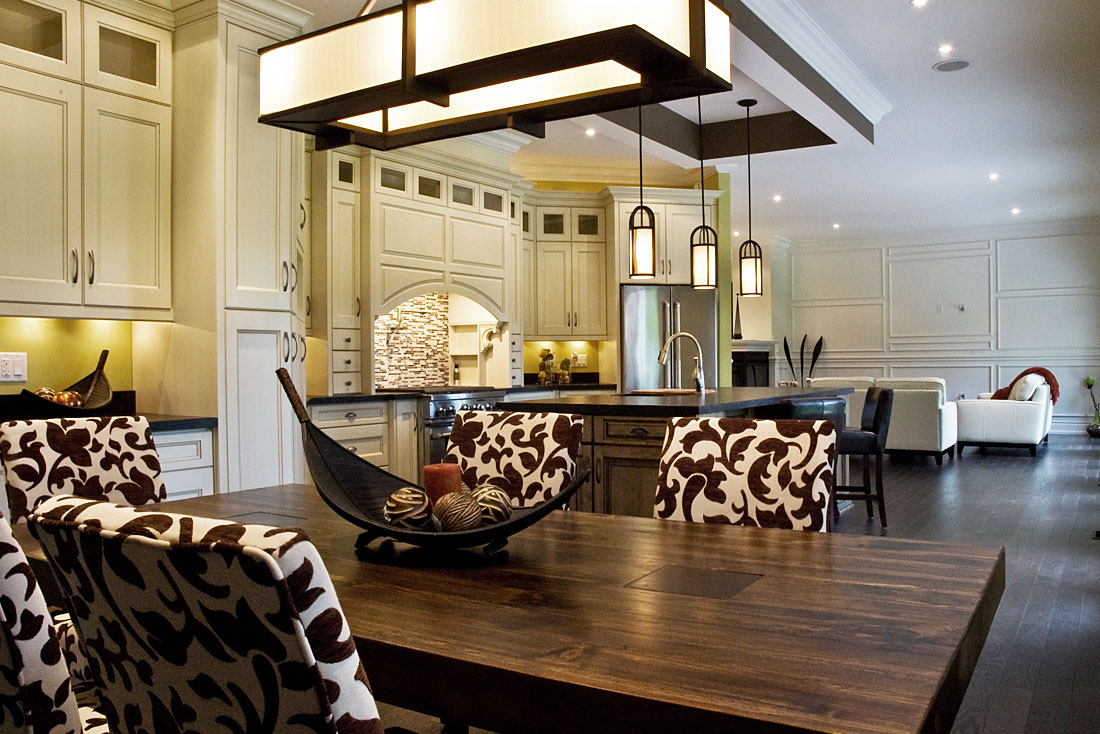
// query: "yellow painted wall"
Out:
[61,351]
[561,350]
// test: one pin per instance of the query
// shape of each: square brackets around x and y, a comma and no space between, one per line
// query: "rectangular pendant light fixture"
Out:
[433,69]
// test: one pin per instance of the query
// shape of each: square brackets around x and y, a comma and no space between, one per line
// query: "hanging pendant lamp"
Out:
[751,259]
[704,240]
[642,226]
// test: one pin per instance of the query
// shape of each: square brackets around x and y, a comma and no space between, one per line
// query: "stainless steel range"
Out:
[442,408]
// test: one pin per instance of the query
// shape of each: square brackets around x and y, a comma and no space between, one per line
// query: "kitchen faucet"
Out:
[697,373]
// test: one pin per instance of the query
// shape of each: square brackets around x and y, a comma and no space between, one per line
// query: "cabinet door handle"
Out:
[294,273]
[309,305]
[286,276]
[639,431]
[351,415]
[294,341]
[347,340]
[576,322]
[358,306]
[303,348]
[76,267]
[568,318]
[91,267]
[662,267]
[302,217]
[286,347]
[599,470]
[353,449]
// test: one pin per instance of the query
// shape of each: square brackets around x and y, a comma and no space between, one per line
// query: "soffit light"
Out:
[750,257]
[642,227]
[434,69]
[704,240]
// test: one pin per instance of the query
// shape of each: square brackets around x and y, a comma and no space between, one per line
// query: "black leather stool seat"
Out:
[857,442]
[807,409]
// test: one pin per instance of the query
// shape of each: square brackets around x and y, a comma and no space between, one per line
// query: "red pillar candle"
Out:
[441,479]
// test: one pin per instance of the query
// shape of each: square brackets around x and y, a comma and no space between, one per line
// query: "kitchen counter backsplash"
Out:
[411,343]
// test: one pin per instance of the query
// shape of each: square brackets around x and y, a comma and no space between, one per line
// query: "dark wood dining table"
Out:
[605,623]
[617,624]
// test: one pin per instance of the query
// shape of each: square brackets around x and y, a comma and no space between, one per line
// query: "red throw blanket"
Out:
[1046,374]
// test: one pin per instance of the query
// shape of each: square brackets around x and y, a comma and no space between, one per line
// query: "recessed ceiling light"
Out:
[918,3]
[590,131]
[950,65]
[777,198]
[1015,210]
[836,225]
[945,49]
[736,234]
[994,176]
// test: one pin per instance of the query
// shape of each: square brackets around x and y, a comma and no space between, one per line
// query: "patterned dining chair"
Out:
[531,456]
[765,473]
[110,458]
[198,624]
[37,692]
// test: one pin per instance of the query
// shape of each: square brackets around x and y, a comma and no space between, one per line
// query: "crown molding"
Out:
[502,141]
[952,237]
[271,16]
[152,13]
[806,38]
[604,173]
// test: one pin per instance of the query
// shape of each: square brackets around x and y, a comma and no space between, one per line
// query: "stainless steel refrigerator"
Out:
[649,314]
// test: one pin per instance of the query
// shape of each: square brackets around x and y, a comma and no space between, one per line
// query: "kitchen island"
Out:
[623,436]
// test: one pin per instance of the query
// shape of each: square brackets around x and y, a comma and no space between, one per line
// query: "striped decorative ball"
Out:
[409,507]
[458,511]
[494,502]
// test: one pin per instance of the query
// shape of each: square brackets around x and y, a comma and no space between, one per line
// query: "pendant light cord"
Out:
[748,162]
[641,188]
[702,197]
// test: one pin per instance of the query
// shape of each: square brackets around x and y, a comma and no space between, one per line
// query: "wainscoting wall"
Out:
[975,308]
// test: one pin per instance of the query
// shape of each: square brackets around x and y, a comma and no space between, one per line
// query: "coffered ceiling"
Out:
[1027,108]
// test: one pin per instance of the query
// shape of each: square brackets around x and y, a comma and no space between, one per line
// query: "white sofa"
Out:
[1015,422]
[922,421]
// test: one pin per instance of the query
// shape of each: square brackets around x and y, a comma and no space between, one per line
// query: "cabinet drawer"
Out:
[370,442]
[515,377]
[346,339]
[345,383]
[180,450]
[348,414]
[345,361]
[629,430]
[515,344]
[187,483]
[516,361]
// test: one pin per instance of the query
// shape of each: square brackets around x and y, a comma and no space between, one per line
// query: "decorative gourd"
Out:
[409,507]
[494,502]
[458,511]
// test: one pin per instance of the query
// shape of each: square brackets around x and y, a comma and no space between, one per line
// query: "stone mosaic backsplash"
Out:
[411,343]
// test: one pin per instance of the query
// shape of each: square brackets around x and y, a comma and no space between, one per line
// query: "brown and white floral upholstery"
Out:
[747,472]
[531,456]
[111,458]
[202,625]
[36,694]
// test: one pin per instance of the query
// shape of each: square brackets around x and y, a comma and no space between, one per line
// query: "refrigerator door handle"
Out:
[667,333]
[677,369]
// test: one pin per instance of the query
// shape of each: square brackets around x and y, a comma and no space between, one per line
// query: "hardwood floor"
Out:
[1040,668]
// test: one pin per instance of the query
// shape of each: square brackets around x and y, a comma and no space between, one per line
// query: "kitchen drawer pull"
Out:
[347,362]
[286,276]
[76,267]
[599,469]
[91,267]
[639,431]
[347,383]
[347,340]
[353,449]
[358,306]
[351,415]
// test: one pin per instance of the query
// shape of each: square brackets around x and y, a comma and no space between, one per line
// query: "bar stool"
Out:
[869,441]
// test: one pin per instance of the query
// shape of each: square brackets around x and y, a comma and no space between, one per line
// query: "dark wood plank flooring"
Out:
[1040,668]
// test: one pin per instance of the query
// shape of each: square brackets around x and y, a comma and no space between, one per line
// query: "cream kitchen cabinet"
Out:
[528,288]
[301,285]
[406,452]
[262,433]
[121,257]
[259,213]
[127,56]
[571,295]
[186,462]
[674,224]
[42,35]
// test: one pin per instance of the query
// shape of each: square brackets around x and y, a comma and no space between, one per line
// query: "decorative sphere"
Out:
[494,503]
[45,392]
[409,507]
[458,511]
[69,398]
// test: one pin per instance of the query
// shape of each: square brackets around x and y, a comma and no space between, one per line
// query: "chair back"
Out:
[214,624]
[531,456]
[747,472]
[35,687]
[877,407]
[110,458]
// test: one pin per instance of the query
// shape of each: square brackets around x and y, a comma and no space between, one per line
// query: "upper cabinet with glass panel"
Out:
[127,56]
[41,35]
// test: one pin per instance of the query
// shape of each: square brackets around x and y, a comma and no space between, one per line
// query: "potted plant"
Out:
[1094,427]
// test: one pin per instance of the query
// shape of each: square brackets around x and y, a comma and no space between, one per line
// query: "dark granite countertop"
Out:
[458,390]
[725,400]
[358,397]
[161,422]
[578,386]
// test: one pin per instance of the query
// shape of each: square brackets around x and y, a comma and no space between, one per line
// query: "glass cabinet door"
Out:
[126,55]
[42,35]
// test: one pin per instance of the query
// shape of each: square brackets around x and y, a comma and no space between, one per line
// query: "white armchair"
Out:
[1011,423]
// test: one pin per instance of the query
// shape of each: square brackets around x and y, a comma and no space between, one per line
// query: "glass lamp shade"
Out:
[704,257]
[751,267]
[643,243]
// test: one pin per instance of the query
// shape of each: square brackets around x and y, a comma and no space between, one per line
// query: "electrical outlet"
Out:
[582,359]
[13,366]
